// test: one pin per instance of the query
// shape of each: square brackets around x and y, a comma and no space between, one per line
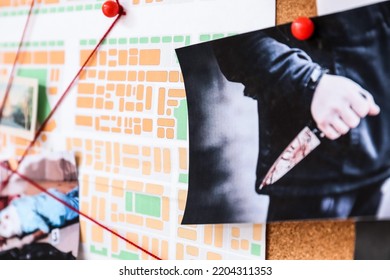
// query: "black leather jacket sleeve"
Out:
[265,66]
[275,68]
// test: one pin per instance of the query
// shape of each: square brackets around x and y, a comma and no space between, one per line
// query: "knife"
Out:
[303,144]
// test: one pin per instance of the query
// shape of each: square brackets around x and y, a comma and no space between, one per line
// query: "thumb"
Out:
[374,109]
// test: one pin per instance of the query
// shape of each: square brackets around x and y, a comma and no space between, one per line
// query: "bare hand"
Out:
[339,104]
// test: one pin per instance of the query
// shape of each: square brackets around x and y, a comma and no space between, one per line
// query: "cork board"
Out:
[309,239]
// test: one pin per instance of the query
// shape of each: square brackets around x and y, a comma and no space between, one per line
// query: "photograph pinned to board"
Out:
[372,238]
[40,223]
[287,129]
[20,111]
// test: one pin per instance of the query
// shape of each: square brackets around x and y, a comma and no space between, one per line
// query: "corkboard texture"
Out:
[307,240]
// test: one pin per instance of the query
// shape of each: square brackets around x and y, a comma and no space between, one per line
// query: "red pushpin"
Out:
[302,28]
[110,8]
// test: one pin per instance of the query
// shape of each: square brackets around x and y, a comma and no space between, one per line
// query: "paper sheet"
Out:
[126,118]
[325,7]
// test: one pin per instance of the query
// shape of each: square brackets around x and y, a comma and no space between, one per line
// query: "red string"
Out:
[36,185]
[120,7]
[40,130]
[11,77]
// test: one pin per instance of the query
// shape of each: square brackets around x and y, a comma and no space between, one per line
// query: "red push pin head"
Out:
[302,28]
[110,8]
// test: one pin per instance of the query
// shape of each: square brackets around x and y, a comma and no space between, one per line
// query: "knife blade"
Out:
[303,144]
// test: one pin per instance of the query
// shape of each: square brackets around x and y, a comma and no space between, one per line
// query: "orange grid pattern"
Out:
[105,88]
[16,3]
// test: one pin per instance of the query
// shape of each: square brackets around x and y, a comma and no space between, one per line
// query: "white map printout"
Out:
[126,116]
